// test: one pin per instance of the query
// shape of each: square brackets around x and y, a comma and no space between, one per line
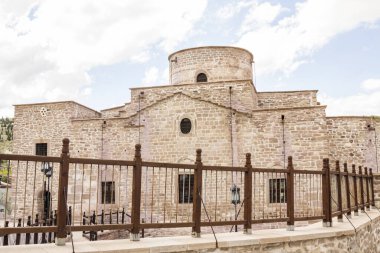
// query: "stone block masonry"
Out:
[355,140]
[218,63]
[228,118]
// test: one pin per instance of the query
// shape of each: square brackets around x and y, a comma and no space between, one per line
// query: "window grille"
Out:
[185,186]
[277,190]
[108,192]
[41,149]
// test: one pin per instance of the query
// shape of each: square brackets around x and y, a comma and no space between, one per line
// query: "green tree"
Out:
[6,129]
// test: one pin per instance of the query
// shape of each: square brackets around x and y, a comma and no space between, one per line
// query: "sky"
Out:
[94,51]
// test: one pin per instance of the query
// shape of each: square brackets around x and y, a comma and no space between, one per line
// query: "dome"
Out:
[210,64]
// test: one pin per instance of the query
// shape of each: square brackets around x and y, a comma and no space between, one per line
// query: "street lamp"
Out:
[235,195]
[47,170]
[235,199]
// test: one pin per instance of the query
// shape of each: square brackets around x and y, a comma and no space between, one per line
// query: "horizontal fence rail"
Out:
[44,198]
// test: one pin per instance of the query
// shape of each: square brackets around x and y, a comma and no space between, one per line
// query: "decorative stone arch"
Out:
[186,160]
[201,71]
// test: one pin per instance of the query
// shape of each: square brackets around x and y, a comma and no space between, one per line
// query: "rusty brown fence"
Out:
[45,198]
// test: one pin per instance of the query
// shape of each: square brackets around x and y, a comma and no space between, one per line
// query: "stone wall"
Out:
[263,135]
[163,141]
[218,63]
[112,138]
[243,94]
[376,186]
[40,123]
[112,112]
[354,140]
[45,123]
[287,99]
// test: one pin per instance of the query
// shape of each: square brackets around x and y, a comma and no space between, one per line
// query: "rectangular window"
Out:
[108,192]
[41,149]
[277,190]
[185,186]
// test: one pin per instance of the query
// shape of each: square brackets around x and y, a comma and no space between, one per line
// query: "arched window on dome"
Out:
[201,78]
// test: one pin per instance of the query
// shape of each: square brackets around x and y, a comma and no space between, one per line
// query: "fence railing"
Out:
[51,196]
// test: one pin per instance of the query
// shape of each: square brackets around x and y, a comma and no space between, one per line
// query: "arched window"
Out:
[185,126]
[201,78]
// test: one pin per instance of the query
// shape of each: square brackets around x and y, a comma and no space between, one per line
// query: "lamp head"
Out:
[235,194]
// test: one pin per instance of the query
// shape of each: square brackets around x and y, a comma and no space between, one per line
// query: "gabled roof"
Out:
[193,98]
[58,102]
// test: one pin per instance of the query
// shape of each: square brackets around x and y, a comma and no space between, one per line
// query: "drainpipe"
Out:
[141,95]
[231,139]
[283,139]
[102,139]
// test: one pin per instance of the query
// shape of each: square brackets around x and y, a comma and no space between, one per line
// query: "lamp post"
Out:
[235,199]
[47,170]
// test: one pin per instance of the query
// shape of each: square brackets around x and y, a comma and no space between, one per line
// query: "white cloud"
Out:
[290,41]
[151,76]
[367,102]
[48,47]
[231,9]
[141,57]
[154,76]
[371,84]
[165,75]
[260,15]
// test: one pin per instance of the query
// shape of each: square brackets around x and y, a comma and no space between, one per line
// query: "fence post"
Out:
[18,236]
[361,185]
[368,206]
[136,194]
[27,235]
[248,195]
[372,189]
[290,195]
[348,197]
[197,193]
[6,236]
[356,208]
[339,191]
[35,235]
[60,239]
[326,194]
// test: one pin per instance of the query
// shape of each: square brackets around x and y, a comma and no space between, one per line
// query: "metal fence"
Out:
[91,195]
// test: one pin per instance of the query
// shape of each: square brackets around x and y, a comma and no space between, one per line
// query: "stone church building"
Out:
[210,103]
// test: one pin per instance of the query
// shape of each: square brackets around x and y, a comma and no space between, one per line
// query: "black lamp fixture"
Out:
[47,169]
[235,199]
[235,194]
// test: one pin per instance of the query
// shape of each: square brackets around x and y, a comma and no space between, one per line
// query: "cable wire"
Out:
[69,221]
[208,217]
